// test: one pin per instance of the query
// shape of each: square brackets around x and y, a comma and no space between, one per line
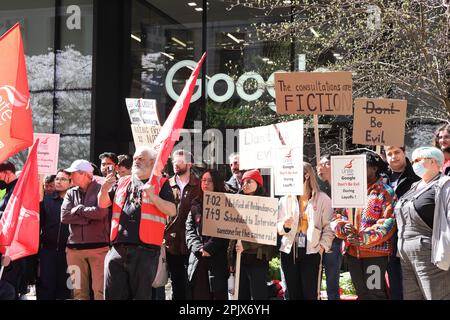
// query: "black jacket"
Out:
[406,179]
[54,234]
[216,247]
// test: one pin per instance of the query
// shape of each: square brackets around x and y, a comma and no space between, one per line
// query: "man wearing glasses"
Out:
[52,282]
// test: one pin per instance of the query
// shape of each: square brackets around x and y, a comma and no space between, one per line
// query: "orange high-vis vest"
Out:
[153,221]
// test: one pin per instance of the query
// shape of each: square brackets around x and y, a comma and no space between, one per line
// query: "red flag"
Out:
[170,131]
[19,225]
[16,127]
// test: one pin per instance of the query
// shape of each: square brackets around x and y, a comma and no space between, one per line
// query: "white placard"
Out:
[256,144]
[142,111]
[47,152]
[348,181]
[288,170]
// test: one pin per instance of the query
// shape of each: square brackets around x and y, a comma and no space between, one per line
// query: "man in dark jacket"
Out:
[185,189]
[52,282]
[89,228]
[234,183]
[401,177]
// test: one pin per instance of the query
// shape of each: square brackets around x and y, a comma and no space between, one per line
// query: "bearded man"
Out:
[139,213]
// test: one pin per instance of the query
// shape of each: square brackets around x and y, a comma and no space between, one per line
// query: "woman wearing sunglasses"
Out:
[423,221]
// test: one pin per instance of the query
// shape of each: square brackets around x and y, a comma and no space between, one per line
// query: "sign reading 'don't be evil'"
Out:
[240,217]
[256,144]
[47,152]
[348,181]
[328,93]
[379,122]
[288,170]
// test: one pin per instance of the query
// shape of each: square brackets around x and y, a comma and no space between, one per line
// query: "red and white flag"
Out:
[170,131]
[16,125]
[19,225]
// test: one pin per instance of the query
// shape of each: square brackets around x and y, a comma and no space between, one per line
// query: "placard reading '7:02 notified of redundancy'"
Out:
[233,216]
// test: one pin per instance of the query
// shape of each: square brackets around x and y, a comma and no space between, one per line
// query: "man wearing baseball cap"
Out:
[89,228]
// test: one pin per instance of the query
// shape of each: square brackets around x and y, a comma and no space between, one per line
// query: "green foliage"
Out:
[274,269]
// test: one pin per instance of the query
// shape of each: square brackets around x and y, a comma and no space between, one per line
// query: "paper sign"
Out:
[142,111]
[379,122]
[233,216]
[348,181]
[47,152]
[144,134]
[288,170]
[256,144]
[327,93]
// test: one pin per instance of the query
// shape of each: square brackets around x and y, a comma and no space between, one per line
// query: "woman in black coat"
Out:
[207,270]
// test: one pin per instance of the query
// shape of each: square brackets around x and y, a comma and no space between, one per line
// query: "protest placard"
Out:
[256,144]
[142,111]
[47,152]
[348,181]
[144,134]
[379,122]
[235,216]
[327,93]
[288,170]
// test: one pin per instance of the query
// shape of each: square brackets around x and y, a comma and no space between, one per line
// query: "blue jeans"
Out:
[332,262]
[394,271]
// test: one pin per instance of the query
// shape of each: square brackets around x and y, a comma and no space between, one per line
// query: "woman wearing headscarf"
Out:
[423,221]
[304,224]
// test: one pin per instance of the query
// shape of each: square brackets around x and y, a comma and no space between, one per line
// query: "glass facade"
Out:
[84,57]
[57,39]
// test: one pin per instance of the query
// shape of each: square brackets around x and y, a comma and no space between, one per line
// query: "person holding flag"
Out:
[140,207]
[139,217]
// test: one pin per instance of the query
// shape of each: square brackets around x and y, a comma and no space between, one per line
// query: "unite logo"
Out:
[287,161]
[348,168]
[9,96]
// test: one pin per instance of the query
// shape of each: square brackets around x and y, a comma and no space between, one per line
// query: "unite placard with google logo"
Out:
[348,181]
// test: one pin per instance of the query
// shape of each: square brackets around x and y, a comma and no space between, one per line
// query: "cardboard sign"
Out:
[379,122]
[327,93]
[142,111]
[288,170]
[348,181]
[256,144]
[233,216]
[144,134]
[47,152]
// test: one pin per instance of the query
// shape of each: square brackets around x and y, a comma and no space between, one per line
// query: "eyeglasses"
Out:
[206,180]
[419,159]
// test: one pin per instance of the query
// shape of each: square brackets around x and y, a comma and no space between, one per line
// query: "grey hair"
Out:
[232,155]
[148,150]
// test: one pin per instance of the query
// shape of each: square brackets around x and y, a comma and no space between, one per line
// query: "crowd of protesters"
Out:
[103,231]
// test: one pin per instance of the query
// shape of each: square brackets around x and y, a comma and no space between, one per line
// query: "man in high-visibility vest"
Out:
[140,209]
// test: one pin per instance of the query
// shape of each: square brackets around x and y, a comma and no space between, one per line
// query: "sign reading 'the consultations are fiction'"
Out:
[233,216]
[379,122]
[328,93]
[348,181]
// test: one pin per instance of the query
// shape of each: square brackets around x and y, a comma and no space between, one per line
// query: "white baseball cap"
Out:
[80,165]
